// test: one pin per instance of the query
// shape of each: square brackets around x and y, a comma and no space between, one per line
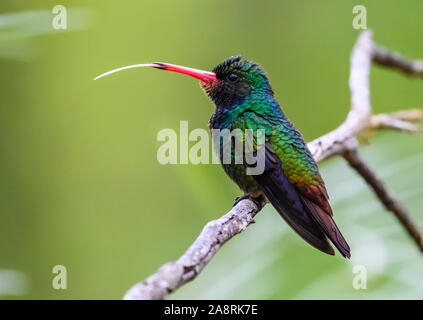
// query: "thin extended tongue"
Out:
[123,68]
[195,73]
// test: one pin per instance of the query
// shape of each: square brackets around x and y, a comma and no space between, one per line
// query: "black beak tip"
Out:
[159,65]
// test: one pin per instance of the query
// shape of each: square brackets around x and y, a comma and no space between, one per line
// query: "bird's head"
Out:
[230,82]
[236,79]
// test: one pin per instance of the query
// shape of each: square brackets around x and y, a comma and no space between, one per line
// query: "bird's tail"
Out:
[328,226]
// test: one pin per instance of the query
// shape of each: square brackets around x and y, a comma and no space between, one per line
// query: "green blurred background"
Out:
[80,184]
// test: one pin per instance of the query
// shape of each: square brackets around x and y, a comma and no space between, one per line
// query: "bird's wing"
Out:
[304,204]
[305,207]
[287,201]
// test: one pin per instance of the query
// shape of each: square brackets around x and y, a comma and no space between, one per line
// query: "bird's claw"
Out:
[257,201]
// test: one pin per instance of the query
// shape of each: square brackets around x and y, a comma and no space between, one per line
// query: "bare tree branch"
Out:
[401,120]
[387,199]
[342,141]
[172,275]
[395,60]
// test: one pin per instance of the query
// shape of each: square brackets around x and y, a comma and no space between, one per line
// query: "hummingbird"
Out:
[291,181]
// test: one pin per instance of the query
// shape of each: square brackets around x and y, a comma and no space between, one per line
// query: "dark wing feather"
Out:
[286,200]
[305,210]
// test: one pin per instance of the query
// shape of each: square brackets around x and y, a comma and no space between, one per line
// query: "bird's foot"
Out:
[257,198]
[239,199]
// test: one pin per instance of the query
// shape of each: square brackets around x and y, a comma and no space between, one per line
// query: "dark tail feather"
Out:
[329,226]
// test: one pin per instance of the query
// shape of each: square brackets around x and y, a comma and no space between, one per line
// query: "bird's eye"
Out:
[233,77]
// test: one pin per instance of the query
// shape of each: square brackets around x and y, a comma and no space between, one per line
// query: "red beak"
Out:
[204,76]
